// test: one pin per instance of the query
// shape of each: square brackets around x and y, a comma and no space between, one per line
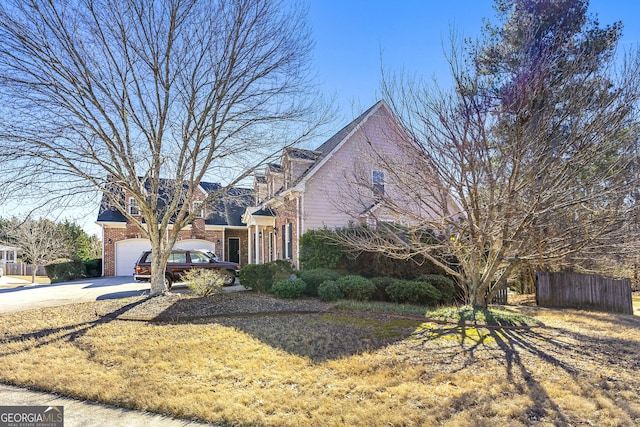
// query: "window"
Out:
[177,258]
[199,258]
[378,183]
[197,207]
[134,209]
[289,241]
[284,242]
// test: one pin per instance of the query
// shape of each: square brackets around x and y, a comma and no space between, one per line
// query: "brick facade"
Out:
[220,237]
[125,230]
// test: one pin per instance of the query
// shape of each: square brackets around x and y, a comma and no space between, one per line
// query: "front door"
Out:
[234,250]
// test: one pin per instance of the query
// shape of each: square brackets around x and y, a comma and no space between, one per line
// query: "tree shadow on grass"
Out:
[43,337]
[529,355]
[301,327]
[322,337]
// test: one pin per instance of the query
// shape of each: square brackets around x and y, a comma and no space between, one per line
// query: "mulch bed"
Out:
[184,307]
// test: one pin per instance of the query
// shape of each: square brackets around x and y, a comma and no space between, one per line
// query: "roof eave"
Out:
[313,169]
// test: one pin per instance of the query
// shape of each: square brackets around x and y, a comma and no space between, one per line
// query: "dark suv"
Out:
[181,261]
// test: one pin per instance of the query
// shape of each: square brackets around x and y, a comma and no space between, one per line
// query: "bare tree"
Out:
[529,159]
[144,99]
[41,242]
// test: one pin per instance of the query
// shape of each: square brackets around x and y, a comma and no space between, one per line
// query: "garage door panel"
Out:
[127,253]
[190,244]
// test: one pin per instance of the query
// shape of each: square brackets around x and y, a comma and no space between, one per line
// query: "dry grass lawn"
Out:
[334,368]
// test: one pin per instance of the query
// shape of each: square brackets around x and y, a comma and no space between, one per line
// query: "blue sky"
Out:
[354,38]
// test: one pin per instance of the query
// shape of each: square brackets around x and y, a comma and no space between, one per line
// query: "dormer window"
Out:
[378,183]
[197,207]
[134,209]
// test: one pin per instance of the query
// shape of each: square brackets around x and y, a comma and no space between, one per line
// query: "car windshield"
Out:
[199,257]
[208,253]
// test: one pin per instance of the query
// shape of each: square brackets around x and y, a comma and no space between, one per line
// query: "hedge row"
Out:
[320,249]
[72,270]
[284,282]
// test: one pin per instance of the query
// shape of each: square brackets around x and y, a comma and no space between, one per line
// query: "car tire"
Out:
[230,278]
[168,283]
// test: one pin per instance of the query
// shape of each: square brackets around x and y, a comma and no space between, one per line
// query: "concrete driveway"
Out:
[25,296]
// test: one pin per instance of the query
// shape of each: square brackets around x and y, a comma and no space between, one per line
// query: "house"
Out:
[8,254]
[218,229]
[341,182]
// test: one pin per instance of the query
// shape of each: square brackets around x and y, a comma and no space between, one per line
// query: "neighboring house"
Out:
[339,183]
[8,254]
[218,229]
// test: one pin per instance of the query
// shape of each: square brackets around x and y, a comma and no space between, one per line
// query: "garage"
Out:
[189,244]
[127,253]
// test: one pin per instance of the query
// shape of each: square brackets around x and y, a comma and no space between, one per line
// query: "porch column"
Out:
[257,239]
[249,245]
[224,240]
[263,250]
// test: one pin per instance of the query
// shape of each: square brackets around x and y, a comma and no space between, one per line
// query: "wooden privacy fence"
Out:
[584,291]
[19,269]
[501,296]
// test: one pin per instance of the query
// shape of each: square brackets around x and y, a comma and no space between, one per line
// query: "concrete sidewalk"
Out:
[79,413]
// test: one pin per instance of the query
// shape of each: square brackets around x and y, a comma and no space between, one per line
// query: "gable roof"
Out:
[225,210]
[336,139]
[329,146]
[274,168]
[301,154]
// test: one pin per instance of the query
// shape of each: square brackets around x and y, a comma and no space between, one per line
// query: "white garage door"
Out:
[195,244]
[127,253]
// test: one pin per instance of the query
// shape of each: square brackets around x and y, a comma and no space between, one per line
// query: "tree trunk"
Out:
[157,278]
[159,256]
[476,295]
[478,298]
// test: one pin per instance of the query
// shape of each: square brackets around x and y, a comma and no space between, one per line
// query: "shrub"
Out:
[330,291]
[381,284]
[357,288]
[442,283]
[375,264]
[260,277]
[282,264]
[413,292]
[93,267]
[317,250]
[314,277]
[288,288]
[64,271]
[204,282]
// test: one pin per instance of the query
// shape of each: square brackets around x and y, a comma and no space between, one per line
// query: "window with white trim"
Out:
[198,208]
[377,178]
[134,209]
